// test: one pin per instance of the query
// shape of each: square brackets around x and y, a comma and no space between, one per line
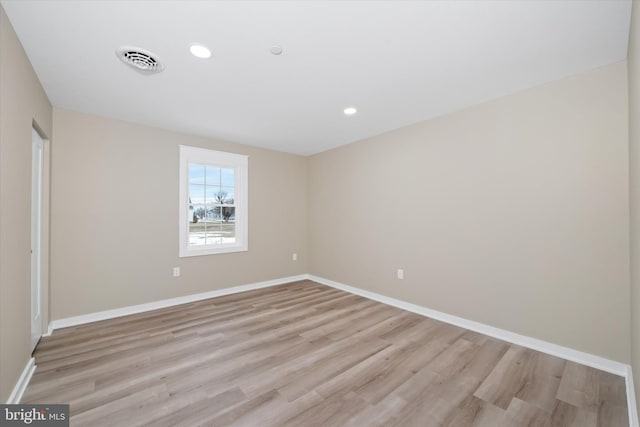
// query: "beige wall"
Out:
[633,62]
[513,213]
[115,217]
[22,102]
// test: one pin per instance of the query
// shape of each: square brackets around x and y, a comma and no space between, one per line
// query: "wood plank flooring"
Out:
[304,354]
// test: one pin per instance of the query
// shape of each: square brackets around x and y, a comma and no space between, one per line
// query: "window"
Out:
[213,202]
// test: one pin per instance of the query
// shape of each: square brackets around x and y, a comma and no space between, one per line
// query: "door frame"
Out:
[39,234]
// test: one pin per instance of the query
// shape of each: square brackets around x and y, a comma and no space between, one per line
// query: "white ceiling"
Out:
[397,62]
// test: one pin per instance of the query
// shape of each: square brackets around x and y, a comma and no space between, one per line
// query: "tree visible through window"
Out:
[212,205]
[215,184]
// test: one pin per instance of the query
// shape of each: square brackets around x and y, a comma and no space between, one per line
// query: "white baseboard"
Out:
[522,340]
[512,337]
[22,383]
[583,358]
[566,353]
[631,398]
[49,331]
[141,308]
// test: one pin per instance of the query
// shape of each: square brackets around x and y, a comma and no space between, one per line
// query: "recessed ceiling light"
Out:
[276,50]
[350,111]
[200,51]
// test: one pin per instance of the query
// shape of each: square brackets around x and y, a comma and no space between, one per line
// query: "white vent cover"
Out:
[140,59]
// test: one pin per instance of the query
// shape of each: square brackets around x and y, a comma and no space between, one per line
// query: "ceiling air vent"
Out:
[140,59]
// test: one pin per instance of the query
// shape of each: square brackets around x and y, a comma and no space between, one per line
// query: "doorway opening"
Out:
[37,167]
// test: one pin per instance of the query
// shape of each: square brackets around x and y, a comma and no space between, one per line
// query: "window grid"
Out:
[213,213]
[212,197]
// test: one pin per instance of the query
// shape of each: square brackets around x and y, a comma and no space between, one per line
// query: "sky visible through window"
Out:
[211,205]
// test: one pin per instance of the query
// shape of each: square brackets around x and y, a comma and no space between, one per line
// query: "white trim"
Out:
[583,358]
[135,309]
[22,383]
[239,163]
[587,359]
[37,173]
[49,331]
[566,353]
[631,398]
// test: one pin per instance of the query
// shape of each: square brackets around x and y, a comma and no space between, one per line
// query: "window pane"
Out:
[196,194]
[196,213]
[220,196]
[208,202]
[229,195]
[205,214]
[196,234]
[213,239]
[228,177]
[196,173]
[228,233]
[213,175]
[213,214]
[213,235]
[211,193]
[228,213]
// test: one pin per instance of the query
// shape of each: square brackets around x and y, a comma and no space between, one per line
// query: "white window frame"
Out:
[219,159]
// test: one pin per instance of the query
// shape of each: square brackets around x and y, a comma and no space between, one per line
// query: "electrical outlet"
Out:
[176,271]
[294,256]
[400,274]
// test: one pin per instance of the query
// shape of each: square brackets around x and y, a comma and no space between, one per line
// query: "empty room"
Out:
[320,213]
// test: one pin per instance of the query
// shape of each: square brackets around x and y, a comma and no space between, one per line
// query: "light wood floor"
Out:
[308,355]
